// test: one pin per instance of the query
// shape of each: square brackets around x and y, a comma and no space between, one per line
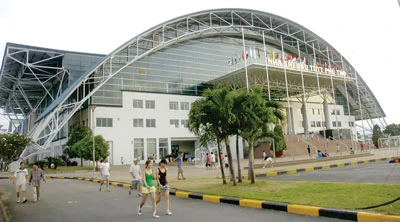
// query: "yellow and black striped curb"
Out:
[309,169]
[258,204]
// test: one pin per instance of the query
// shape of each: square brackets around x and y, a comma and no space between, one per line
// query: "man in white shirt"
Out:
[135,181]
[20,182]
[105,173]
[213,161]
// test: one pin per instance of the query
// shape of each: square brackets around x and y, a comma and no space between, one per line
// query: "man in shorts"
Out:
[20,182]
[179,161]
[135,181]
[267,159]
[105,173]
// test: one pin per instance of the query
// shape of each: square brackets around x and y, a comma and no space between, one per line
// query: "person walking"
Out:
[226,161]
[179,160]
[148,188]
[309,150]
[136,179]
[208,161]
[163,188]
[105,173]
[36,175]
[20,182]
[212,161]
[266,159]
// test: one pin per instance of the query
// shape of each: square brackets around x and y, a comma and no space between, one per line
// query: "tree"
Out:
[84,148]
[279,139]
[12,145]
[212,115]
[76,134]
[392,129]
[376,134]
[253,116]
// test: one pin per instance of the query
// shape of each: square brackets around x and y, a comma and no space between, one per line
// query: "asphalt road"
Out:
[72,200]
[380,172]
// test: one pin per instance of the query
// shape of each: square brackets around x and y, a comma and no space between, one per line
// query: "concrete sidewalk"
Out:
[121,173]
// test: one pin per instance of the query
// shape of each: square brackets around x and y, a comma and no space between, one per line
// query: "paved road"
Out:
[72,200]
[380,172]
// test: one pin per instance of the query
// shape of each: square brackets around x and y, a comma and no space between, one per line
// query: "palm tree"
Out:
[211,116]
[253,117]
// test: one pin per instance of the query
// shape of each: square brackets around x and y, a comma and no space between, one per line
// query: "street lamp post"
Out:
[93,142]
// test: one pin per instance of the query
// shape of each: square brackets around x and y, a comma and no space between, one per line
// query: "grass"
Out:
[322,194]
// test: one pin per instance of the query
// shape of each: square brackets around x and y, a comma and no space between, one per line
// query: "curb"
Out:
[258,204]
[309,169]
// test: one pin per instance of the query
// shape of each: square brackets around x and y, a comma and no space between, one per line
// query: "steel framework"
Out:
[256,25]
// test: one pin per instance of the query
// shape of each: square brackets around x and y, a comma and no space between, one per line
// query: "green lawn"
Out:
[331,195]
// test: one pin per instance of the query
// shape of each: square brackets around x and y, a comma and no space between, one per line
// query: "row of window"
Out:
[151,148]
[151,104]
[322,124]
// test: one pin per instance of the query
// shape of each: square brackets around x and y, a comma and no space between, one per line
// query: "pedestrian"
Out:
[20,182]
[105,173]
[337,148]
[163,188]
[36,175]
[226,161]
[267,159]
[309,150]
[148,188]
[122,160]
[208,160]
[212,160]
[136,178]
[179,160]
[222,159]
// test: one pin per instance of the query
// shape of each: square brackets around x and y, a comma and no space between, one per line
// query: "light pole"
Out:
[93,144]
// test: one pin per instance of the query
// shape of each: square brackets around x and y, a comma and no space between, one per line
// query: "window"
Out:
[339,124]
[138,103]
[312,123]
[138,123]
[138,148]
[163,147]
[351,124]
[323,123]
[300,124]
[104,122]
[333,112]
[174,123]
[338,112]
[173,105]
[318,123]
[184,106]
[150,104]
[184,123]
[151,123]
[334,123]
[151,148]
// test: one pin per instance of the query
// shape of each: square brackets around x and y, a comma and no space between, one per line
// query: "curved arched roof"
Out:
[227,22]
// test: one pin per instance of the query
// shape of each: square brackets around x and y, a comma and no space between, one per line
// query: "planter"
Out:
[278,154]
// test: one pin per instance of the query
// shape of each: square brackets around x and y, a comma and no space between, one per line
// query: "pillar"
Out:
[328,123]
[305,118]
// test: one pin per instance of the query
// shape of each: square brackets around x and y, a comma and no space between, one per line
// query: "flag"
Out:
[251,53]
[247,54]
[258,51]
[229,61]
[271,55]
[235,59]
[242,55]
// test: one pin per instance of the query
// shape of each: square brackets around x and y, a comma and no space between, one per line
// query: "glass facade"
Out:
[182,68]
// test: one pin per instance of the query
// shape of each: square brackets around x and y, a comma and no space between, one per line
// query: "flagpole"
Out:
[287,93]
[361,111]
[266,67]
[305,121]
[333,93]
[245,61]
[347,99]
[319,94]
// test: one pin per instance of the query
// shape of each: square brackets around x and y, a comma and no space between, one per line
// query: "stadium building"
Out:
[138,96]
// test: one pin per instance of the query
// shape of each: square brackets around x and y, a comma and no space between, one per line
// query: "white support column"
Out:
[304,102]
[361,110]
[266,67]
[245,61]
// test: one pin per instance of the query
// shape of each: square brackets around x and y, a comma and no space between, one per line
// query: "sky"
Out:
[367,33]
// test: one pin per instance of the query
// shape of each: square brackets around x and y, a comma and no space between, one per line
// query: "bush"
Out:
[56,161]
